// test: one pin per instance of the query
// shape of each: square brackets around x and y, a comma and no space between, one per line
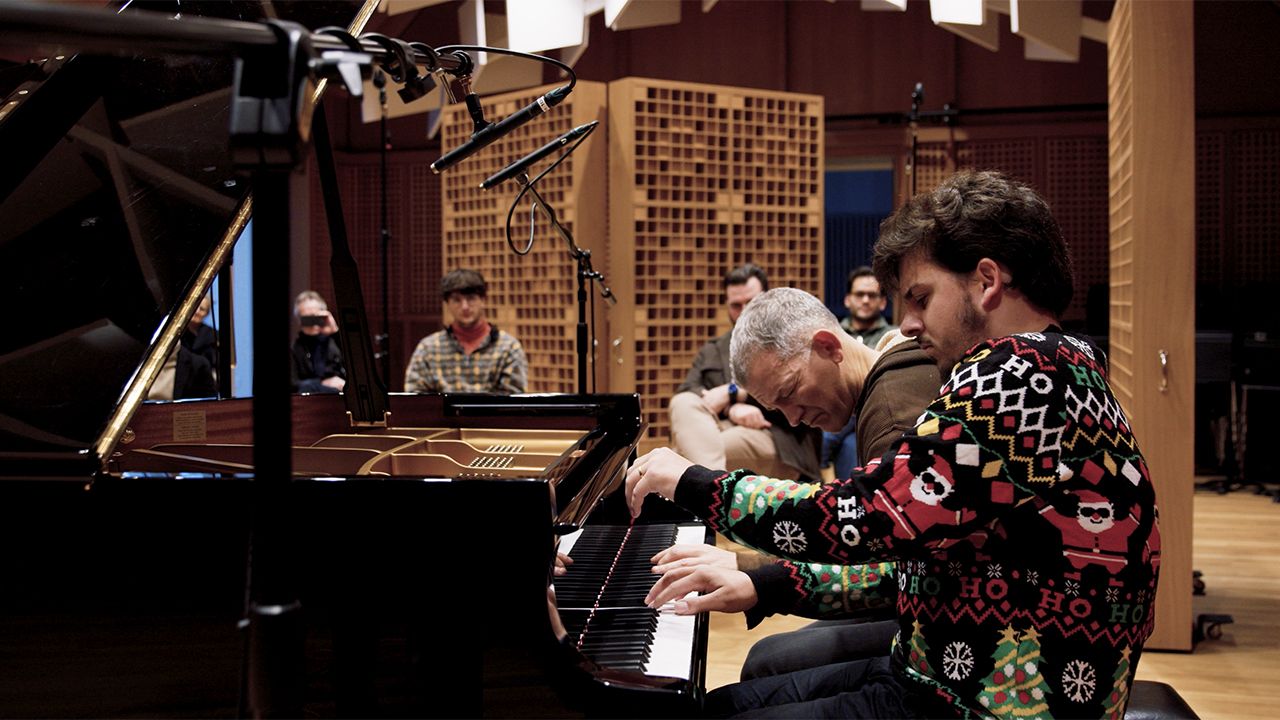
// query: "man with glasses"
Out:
[469,354]
[866,323]
[865,303]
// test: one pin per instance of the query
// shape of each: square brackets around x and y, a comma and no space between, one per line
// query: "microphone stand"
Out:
[384,145]
[585,273]
[913,119]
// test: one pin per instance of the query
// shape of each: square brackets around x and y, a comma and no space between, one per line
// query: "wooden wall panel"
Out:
[1255,154]
[1152,143]
[702,179]
[1210,212]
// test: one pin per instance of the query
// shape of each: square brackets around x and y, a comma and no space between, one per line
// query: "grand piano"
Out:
[411,559]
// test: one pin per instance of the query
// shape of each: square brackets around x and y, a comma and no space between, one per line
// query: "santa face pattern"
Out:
[1023,522]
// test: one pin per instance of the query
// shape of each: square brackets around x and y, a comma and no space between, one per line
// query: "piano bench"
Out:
[1150,700]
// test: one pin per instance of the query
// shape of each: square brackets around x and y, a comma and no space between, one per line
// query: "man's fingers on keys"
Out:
[662,591]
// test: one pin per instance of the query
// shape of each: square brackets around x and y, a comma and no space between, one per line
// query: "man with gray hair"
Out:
[1019,509]
[899,384]
[715,423]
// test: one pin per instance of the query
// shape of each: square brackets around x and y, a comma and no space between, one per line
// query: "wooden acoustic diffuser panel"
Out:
[1151,93]
[533,296]
[702,179]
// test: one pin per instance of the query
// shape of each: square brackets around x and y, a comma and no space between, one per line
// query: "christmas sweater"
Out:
[1022,519]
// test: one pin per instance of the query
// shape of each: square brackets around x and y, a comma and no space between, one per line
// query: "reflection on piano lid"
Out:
[118,200]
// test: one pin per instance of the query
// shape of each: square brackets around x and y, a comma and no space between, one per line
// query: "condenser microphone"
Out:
[488,134]
[523,163]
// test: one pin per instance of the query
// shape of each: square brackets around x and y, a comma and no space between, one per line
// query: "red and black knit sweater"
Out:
[1023,522]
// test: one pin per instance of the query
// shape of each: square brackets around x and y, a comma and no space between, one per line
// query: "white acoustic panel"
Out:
[636,14]
[963,12]
[1051,28]
[878,5]
[987,34]
[539,25]
[494,73]
[395,7]
[570,55]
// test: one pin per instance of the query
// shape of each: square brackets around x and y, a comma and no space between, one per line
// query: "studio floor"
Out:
[1236,546]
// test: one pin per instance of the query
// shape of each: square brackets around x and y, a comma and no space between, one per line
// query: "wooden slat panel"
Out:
[703,178]
[1153,273]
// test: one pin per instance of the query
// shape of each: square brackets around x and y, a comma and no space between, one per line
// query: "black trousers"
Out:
[824,642]
[857,689]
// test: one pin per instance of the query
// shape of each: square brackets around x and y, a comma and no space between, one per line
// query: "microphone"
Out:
[484,137]
[523,163]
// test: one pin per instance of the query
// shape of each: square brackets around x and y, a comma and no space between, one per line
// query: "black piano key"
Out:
[607,582]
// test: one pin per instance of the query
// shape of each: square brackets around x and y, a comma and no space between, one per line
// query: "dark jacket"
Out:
[193,376]
[202,342]
[315,358]
[797,447]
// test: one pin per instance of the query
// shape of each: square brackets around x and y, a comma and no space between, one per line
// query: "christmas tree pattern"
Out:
[1015,687]
[1118,698]
[918,650]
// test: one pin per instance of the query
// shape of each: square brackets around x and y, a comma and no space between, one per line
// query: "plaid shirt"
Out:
[439,364]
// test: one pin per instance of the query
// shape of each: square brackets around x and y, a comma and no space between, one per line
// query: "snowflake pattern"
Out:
[874,545]
[955,568]
[1033,578]
[1072,588]
[1079,681]
[789,538]
[994,570]
[1113,595]
[957,661]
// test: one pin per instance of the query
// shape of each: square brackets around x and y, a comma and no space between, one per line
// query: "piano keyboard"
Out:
[601,599]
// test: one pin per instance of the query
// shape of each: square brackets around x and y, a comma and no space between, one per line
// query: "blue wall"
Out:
[856,202]
[242,313]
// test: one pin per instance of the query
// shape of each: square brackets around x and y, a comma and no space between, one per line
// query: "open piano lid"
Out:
[118,204]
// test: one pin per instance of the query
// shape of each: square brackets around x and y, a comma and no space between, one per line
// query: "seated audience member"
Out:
[866,304]
[200,338]
[719,423]
[187,374]
[1005,496]
[469,354]
[317,358]
[866,323]
[891,395]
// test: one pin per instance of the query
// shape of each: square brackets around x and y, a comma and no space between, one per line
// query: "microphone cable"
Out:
[525,187]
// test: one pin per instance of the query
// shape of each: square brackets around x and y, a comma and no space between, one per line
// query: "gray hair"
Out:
[782,320]
[306,295]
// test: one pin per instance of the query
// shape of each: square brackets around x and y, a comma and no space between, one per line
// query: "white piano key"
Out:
[568,539]
[671,654]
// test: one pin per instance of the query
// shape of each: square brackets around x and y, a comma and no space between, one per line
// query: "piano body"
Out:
[420,551]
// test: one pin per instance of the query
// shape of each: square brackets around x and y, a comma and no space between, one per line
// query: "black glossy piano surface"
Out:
[420,553]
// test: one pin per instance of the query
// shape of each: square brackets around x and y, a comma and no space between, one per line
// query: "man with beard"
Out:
[1019,509]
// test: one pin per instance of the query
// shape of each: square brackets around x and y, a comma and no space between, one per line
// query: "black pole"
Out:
[384,341]
[276,635]
[917,99]
[267,93]
[585,273]
[583,257]
[226,331]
